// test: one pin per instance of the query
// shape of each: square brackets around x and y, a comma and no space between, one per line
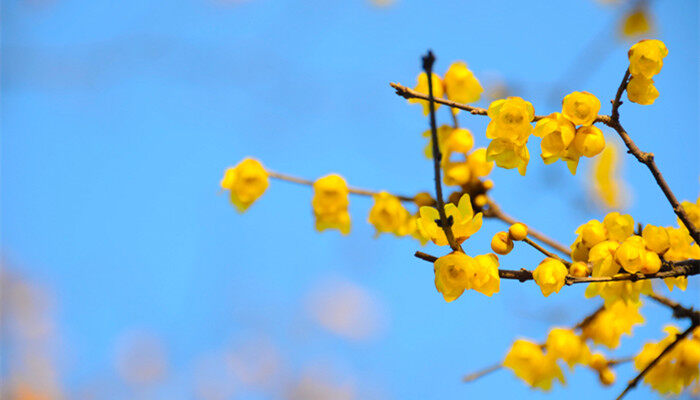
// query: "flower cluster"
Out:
[459,85]
[533,365]
[646,59]
[502,242]
[509,131]
[677,369]
[561,140]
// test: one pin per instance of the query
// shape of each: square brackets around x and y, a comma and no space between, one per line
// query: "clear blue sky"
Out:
[118,119]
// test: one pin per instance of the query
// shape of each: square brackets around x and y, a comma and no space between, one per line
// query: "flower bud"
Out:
[517,231]
[579,269]
[501,243]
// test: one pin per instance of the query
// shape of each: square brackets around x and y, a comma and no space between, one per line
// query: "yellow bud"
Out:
[579,269]
[598,362]
[480,200]
[646,58]
[518,231]
[423,199]
[550,275]
[619,226]
[592,233]
[631,254]
[501,243]
[589,141]
[606,376]
[652,263]
[656,238]
[641,90]
[581,108]
[488,184]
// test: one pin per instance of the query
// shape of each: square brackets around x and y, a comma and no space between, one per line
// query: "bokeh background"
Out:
[127,275]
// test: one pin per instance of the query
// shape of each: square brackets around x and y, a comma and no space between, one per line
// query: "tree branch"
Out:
[546,252]
[428,61]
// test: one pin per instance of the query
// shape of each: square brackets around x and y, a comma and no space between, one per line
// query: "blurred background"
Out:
[127,275]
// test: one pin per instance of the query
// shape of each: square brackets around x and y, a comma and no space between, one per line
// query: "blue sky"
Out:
[118,120]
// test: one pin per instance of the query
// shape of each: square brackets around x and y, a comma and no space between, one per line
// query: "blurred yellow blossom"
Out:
[606,183]
[422,87]
[532,365]
[636,23]
[609,325]
[387,214]
[247,181]
[461,85]
[330,204]
[566,345]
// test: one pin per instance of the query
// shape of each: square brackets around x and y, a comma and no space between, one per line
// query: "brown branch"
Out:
[584,322]
[358,191]
[679,311]
[482,372]
[631,385]
[428,61]
[545,251]
[647,159]
[494,211]
[683,268]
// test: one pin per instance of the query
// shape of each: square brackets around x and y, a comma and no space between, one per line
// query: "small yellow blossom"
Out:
[460,140]
[679,245]
[532,365]
[618,226]
[636,23]
[461,85]
[508,155]
[652,263]
[677,369]
[592,233]
[517,231]
[501,243]
[606,183]
[510,120]
[692,210]
[589,141]
[581,108]
[550,275]
[422,87]
[456,173]
[631,254]
[409,228]
[464,222]
[247,181]
[566,345]
[681,282]
[609,325]
[443,132]
[656,238]
[606,376]
[646,58]
[330,204]
[457,272]
[387,214]
[579,269]
[557,133]
[478,165]
[641,90]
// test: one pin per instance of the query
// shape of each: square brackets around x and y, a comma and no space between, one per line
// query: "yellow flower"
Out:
[677,369]
[330,204]
[508,155]
[517,231]
[510,119]
[409,227]
[566,345]
[681,282]
[247,181]
[641,90]
[579,269]
[550,275]
[501,243]
[422,87]
[656,238]
[606,183]
[646,58]
[464,222]
[618,226]
[609,325]
[461,85]
[387,214]
[652,263]
[581,108]
[478,165]
[557,133]
[589,141]
[631,254]
[692,210]
[457,272]
[636,23]
[443,132]
[456,173]
[679,245]
[592,233]
[532,365]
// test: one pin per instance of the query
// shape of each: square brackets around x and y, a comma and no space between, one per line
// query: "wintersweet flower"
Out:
[478,165]
[641,90]
[501,243]
[532,365]
[646,58]
[464,223]
[443,132]
[247,181]
[460,140]
[508,155]
[579,269]
[618,226]
[550,276]
[387,214]
[656,238]
[456,173]
[517,231]
[557,133]
[330,204]
[589,141]
[566,345]
[631,254]
[510,120]
[609,325]
[457,272]
[581,108]
[422,87]
[461,85]
[636,23]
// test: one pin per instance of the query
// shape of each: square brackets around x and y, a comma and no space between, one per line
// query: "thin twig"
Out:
[428,61]
[658,358]
[494,211]
[545,251]
[683,268]
[647,159]
[358,191]
[482,372]
[679,311]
